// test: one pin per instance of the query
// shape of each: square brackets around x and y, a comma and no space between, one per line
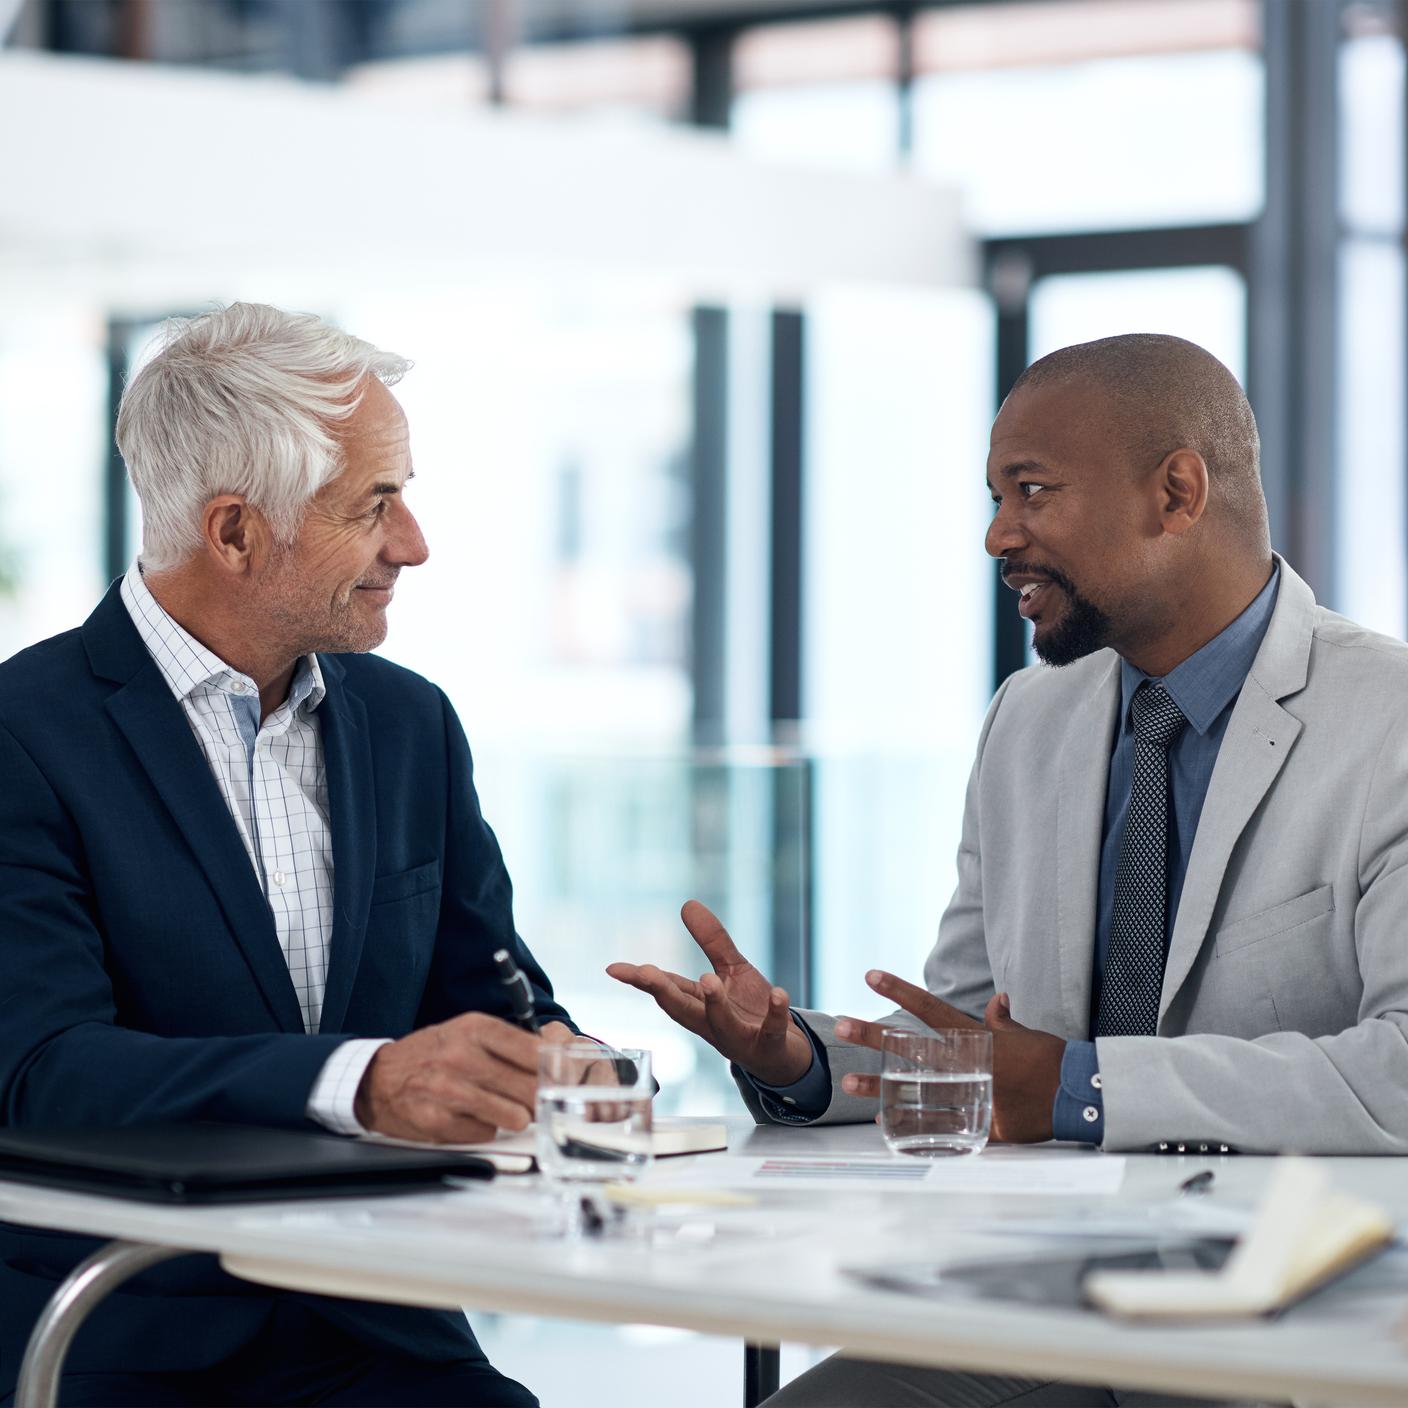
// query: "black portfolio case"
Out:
[222,1163]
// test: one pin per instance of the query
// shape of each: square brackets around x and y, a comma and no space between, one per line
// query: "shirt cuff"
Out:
[1079,1111]
[805,1099]
[332,1101]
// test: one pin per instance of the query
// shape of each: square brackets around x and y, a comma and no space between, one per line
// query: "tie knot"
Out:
[1157,719]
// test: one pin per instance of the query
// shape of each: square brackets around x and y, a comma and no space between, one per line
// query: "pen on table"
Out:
[593,1223]
[1199,1183]
[520,991]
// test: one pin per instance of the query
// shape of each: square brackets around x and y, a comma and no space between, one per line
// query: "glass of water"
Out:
[936,1090]
[593,1114]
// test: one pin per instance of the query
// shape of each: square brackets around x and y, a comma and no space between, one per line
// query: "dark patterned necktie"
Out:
[1134,966]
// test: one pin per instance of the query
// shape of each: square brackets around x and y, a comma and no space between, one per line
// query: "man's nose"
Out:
[1004,536]
[406,546]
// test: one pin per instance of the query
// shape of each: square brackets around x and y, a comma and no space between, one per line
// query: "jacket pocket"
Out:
[1276,920]
[406,884]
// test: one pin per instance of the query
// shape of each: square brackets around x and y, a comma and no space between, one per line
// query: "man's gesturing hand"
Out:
[734,1008]
[455,1083]
[1026,1064]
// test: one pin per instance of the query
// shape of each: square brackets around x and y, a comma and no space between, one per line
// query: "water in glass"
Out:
[936,1091]
[594,1113]
[590,1134]
[935,1112]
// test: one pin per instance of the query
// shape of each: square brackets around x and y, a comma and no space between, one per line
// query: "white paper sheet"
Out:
[979,1173]
[1121,1222]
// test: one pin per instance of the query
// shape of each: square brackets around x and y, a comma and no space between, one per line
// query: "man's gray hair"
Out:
[246,400]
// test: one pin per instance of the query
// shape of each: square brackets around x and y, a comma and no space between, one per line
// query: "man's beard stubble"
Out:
[309,622]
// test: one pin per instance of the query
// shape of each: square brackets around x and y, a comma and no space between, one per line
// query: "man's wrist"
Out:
[1078,1111]
[335,1102]
[804,1099]
[798,1058]
[362,1100]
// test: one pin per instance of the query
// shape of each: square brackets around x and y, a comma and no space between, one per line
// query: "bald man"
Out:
[1183,874]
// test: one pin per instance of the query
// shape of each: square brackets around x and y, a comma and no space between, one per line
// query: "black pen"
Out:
[520,990]
[1199,1183]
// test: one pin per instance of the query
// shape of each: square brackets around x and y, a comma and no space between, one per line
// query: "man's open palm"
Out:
[734,1008]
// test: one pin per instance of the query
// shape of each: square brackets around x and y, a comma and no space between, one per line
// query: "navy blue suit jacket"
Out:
[140,976]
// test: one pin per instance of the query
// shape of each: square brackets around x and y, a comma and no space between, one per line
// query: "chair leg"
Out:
[761,1370]
[85,1286]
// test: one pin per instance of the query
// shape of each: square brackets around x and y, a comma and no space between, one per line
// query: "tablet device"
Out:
[222,1163]
[1048,1280]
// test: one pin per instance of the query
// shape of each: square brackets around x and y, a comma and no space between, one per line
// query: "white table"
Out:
[780,1276]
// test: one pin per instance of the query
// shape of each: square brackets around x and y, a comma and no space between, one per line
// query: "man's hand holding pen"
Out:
[458,1082]
[462,1081]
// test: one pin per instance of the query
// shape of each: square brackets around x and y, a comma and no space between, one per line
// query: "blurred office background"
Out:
[706,580]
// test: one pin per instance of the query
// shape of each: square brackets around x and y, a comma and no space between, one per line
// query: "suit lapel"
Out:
[1080,819]
[1259,738]
[351,800]
[152,722]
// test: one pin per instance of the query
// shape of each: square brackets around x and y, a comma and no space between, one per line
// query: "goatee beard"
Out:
[1082,630]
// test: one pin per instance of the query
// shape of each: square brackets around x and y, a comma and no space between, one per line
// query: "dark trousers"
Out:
[302,1359]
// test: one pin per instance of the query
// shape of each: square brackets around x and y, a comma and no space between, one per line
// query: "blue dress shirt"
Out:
[1205,687]
[805,1099]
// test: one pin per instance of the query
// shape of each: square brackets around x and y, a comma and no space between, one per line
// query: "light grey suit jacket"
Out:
[1284,1018]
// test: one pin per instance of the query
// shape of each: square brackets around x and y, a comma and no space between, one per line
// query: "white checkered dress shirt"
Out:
[274,781]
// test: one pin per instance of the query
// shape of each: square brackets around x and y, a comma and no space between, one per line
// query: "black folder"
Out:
[222,1163]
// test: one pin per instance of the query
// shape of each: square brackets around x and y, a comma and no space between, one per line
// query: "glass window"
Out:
[646,78]
[1371,585]
[53,456]
[628,77]
[1105,114]
[1371,513]
[1206,305]
[444,82]
[854,126]
[819,94]
[813,53]
[897,616]
[552,427]
[1371,153]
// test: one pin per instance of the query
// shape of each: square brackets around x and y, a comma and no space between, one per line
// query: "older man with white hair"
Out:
[245,877]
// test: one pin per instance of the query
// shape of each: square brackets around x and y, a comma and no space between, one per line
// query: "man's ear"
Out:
[235,534]
[1182,484]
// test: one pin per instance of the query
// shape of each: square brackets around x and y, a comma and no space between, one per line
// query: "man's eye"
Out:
[1030,490]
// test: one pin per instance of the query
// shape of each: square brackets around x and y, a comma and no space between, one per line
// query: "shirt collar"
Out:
[1208,680]
[186,665]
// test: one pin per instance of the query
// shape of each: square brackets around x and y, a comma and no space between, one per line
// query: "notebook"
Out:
[222,1163]
[517,1153]
[1305,1234]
